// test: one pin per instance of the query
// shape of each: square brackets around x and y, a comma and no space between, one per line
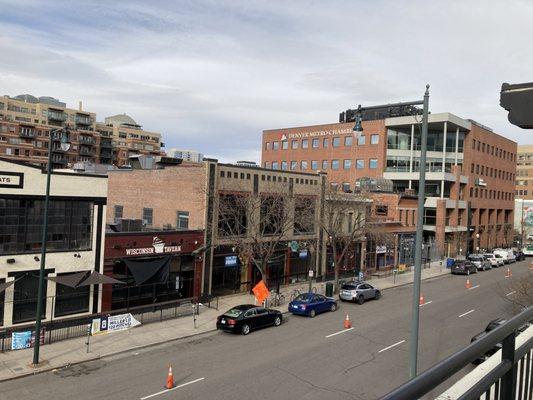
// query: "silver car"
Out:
[358,291]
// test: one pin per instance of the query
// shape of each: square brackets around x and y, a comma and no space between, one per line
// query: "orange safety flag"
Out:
[261,291]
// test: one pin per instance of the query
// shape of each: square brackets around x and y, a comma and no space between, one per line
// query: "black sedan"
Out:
[247,317]
[490,327]
[463,267]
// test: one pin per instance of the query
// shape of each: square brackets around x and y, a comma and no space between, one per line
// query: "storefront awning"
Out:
[5,285]
[70,280]
[96,278]
[144,270]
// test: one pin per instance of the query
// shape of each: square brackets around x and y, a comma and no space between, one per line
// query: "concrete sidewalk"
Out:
[15,364]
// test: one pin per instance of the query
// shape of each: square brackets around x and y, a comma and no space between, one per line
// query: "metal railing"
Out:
[499,383]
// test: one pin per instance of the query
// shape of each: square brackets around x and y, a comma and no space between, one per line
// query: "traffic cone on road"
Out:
[421,301]
[531,266]
[468,284]
[170,378]
[347,322]
[509,273]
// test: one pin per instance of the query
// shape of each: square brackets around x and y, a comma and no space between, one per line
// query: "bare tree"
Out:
[258,225]
[344,223]
[518,292]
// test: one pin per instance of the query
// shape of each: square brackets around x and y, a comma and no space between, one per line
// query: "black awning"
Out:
[5,285]
[96,278]
[144,270]
[71,280]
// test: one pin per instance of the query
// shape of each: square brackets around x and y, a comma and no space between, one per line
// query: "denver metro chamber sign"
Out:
[13,180]
[158,247]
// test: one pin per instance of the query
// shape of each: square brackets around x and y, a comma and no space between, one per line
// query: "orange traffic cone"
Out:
[509,273]
[422,300]
[531,266]
[468,284]
[170,378]
[347,322]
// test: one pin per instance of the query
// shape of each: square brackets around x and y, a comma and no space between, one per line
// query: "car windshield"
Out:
[348,286]
[305,297]
[489,256]
[497,256]
[234,312]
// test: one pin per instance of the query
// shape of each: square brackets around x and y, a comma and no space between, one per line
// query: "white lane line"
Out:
[338,333]
[466,313]
[391,346]
[474,287]
[511,293]
[425,304]
[174,388]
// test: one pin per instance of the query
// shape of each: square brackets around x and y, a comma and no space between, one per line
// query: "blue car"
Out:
[310,304]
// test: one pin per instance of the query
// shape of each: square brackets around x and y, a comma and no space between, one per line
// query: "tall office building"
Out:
[524,173]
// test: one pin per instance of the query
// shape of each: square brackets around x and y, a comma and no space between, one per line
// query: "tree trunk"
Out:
[336,269]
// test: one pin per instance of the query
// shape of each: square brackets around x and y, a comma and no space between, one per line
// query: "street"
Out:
[303,358]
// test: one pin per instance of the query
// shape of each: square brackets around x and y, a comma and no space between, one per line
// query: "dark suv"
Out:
[465,267]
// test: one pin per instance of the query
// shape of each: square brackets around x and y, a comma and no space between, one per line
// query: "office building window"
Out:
[267,165]
[325,142]
[294,165]
[359,164]
[275,145]
[348,140]
[346,189]
[183,220]
[284,165]
[303,165]
[361,140]
[315,143]
[148,216]
[267,146]
[347,164]
[334,164]
[336,142]
[374,139]
[325,164]
[119,210]
[294,144]
[284,144]
[373,163]
[275,165]
[314,165]
[305,143]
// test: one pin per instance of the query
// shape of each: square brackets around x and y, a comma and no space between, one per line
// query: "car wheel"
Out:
[277,321]
[245,330]
[378,295]
[360,300]
[312,314]
[333,307]
[467,272]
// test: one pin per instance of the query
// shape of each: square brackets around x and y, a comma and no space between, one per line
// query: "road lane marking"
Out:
[473,287]
[425,304]
[466,313]
[338,333]
[510,293]
[169,390]
[391,346]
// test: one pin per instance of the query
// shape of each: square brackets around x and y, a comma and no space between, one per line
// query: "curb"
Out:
[424,279]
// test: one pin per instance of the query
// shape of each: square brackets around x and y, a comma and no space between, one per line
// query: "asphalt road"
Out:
[296,360]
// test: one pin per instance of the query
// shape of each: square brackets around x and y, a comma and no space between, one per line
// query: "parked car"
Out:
[499,258]
[480,262]
[519,255]
[359,292]
[528,250]
[311,304]
[505,254]
[463,267]
[247,317]
[490,327]
[492,259]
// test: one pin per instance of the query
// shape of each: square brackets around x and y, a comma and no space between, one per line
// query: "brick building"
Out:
[26,121]
[470,170]
[524,173]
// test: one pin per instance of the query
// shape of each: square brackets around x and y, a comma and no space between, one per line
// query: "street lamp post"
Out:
[64,146]
[477,242]
[420,219]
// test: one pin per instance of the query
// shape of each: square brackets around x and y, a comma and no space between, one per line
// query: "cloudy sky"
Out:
[211,75]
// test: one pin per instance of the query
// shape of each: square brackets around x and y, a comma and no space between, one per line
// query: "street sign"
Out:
[311,273]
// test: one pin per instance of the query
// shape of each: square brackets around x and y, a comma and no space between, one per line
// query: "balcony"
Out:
[105,152]
[60,161]
[106,144]
[57,116]
[86,152]
[29,134]
[86,140]
[58,149]
[83,120]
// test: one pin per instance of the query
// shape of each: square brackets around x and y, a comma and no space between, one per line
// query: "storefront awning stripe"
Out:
[70,280]
[96,278]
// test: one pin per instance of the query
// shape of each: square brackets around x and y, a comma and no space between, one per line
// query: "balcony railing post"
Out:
[508,388]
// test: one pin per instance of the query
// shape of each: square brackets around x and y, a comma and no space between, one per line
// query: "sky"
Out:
[212,75]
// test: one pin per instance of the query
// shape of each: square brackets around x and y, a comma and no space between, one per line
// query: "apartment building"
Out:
[470,170]
[524,172]
[26,121]
[186,155]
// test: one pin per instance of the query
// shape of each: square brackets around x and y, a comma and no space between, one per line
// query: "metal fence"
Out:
[511,379]
[68,328]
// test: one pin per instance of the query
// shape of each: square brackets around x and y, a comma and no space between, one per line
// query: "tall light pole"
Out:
[64,146]
[420,218]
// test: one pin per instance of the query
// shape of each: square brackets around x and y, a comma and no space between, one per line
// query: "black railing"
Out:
[500,383]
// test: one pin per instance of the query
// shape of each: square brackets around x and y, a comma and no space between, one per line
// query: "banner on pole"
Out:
[113,323]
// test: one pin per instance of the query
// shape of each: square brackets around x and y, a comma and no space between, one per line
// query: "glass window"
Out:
[148,215]
[373,163]
[267,146]
[275,165]
[325,142]
[71,300]
[361,140]
[284,165]
[183,220]
[303,165]
[314,164]
[374,139]
[305,143]
[336,141]
[267,165]
[325,164]
[347,164]
[348,140]
[359,164]
[398,140]
[294,165]
[294,144]
[334,164]
[119,211]
[315,143]
[275,145]
[284,144]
